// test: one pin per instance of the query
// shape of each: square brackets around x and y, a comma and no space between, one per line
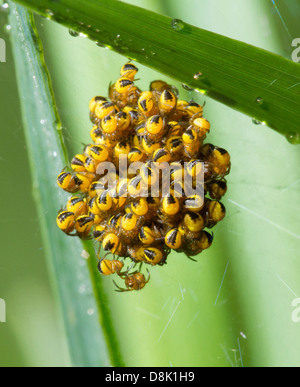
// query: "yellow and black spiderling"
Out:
[161,155]
[66,221]
[104,110]
[217,189]
[167,102]
[83,225]
[153,255]
[147,235]
[108,267]
[134,281]
[78,162]
[105,202]
[170,205]
[77,205]
[129,70]
[136,154]
[111,243]
[84,180]
[67,182]
[147,105]
[140,209]
[173,239]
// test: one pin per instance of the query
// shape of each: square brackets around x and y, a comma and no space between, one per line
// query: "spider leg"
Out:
[124,274]
[99,249]
[119,289]
[106,255]
[72,235]
[148,276]
[192,259]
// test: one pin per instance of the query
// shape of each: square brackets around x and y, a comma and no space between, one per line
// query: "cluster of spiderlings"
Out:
[151,127]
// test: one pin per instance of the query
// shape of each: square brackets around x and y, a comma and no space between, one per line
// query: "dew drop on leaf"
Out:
[7,28]
[256,122]
[259,101]
[177,24]
[293,138]
[73,33]
[49,13]
[4,8]
[198,75]
[186,87]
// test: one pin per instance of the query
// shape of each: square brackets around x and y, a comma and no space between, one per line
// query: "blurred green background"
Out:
[234,306]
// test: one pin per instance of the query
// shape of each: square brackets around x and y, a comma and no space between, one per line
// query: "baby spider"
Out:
[134,281]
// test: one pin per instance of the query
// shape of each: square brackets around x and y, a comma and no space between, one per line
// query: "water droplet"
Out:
[256,122]
[90,312]
[177,24]
[4,8]
[186,87]
[293,138]
[259,101]
[100,44]
[49,13]
[8,28]
[54,154]
[43,122]
[73,33]
[198,75]
[243,335]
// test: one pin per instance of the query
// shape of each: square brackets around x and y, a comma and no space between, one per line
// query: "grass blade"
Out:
[232,305]
[82,301]
[246,78]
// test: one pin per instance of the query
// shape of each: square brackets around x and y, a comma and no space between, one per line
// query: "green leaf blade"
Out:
[82,303]
[258,83]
